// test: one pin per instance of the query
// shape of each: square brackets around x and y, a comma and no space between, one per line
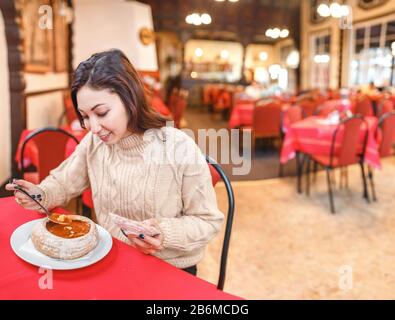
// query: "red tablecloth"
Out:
[312,136]
[242,114]
[124,273]
[31,152]
[339,104]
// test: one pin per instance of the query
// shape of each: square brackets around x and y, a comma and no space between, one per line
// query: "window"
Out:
[320,61]
[372,58]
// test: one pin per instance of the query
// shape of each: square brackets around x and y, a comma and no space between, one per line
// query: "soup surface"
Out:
[75,229]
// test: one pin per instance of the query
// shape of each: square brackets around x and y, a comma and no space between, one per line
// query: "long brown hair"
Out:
[112,70]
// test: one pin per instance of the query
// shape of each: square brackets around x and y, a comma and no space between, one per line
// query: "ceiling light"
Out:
[262,56]
[189,19]
[198,52]
[224,54]
[284,33]
[198,19]
[276,33]
[205,18]
[336,10]
[324,10]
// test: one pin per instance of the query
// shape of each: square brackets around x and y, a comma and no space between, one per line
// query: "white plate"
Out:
[24,249]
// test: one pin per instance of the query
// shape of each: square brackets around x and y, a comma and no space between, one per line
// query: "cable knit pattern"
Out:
[161,174]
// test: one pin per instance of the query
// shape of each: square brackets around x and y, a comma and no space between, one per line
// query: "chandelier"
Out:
[277,33]
[333,9]
[198,19]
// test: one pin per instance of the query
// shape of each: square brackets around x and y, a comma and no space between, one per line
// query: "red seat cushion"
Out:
[325,160]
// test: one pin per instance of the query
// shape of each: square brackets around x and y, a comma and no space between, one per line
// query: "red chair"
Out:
[385,135]
[385,106]
[346,155]
[51,145]
[324,110]
[180,103]
[69,112]
[364,107]
[308,106]
[266,121]
[293,113]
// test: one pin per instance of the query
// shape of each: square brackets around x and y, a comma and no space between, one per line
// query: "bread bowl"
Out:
[65,242]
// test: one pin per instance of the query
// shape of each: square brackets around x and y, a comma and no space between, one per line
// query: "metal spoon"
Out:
[51,216]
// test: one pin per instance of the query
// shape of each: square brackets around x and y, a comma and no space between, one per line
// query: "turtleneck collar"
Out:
[133,143]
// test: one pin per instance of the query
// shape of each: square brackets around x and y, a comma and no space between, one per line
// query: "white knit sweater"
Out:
[160,175]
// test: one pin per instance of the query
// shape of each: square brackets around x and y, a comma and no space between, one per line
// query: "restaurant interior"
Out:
[292,100]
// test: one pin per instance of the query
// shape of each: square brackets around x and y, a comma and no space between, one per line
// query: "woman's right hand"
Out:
[22,199]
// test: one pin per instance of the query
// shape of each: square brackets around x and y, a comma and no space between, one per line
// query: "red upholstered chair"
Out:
[178,109]
[385,106]
[347,153]
[308,106]
[69,112]
[293,113]
[364,107]
[385,135]
[324,110]
[51,146]
[266,121]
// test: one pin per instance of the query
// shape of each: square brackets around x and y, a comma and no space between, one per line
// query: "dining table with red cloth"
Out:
[31,152]
[242,114]
[340,105]
[124,273]
[313,136]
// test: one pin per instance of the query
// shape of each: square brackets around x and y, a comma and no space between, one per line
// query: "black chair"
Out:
[229,220]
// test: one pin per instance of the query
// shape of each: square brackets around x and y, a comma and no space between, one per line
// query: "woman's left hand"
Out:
[145,243]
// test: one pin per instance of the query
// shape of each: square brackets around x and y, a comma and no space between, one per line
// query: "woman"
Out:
[135,166]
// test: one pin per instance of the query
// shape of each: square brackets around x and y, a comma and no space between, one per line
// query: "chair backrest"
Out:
[364,107]
[294,114]
[308,106]
[387,138]
[215,167]
[180,103]
[385,106]
[349,141]
[69,108]
[267,120]
[325,109]
[51,145]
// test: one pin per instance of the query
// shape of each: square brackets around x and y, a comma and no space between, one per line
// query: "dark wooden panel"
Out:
[246,18]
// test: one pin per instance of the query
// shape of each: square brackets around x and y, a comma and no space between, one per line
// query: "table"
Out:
[124,273]
[243,113]
[313,135]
